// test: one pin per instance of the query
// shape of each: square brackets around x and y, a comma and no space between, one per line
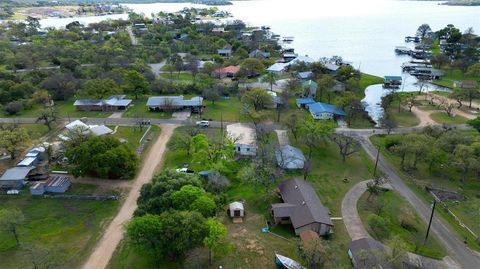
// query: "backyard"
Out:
[61,233]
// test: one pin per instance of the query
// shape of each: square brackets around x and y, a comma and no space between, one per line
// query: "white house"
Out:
[277,68]
[244,139]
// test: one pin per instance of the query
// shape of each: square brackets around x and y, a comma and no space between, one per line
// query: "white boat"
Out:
[287,263]
[288,39]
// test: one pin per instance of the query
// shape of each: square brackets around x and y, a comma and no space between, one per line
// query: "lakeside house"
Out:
[260,54]
[301,208]
[302,59]
[227,72]
[367,253]
[332,68]
[392,82]
[225,51]
[303,102]
[244,139]
[289,157]
[111,104]
[323,111]
[175,103]
[307,75]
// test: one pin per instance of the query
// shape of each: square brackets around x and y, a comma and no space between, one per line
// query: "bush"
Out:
[392,140]
[13,108]
[379,226]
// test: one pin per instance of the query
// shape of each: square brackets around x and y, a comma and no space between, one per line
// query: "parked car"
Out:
[184,170]
[203,123]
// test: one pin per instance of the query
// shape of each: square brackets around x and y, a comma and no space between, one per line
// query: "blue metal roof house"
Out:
[303,102]
[322,111]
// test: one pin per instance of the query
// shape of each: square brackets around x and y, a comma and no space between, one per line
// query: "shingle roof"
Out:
[328,108]
[301,204]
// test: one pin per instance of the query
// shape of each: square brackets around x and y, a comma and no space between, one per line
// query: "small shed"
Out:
[236,211]
[37,189]
[57,184]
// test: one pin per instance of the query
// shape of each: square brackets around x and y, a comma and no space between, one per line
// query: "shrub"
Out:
[14,107]
[379,226]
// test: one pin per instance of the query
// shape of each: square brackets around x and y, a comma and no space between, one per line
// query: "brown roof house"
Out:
[302,208]
[226,72]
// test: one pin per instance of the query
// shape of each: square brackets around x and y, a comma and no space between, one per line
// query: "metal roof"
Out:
[28,161]
[301,204]
[328,108]
[394,78]
[100,130]
[331,67]
[289,157]
[305,101]
[242,134]
[277,67]
[17,173]
[174,101]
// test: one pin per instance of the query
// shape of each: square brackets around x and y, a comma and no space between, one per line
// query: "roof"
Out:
[58,181]
[17,173]
[331,67]
[301,204]
[235,206]
[305,101]
[310,83]
[232,69]
[374,251]
[87,102]
[99,130]
[277,67]
[241,133]
[174,101]
[328,108]
[76,124]
[305,75]
[304,59]
[28,161]
[393,78]
[290,157]
[114,100]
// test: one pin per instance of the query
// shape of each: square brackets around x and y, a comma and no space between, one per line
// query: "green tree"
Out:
[99,88]
[10,220]
[48,116]
[135,83]
[181,141]
[14,140]
[258,98]
[325,83]
[475,123]
[474,70]
[465,160]
[214,240]
[33,24]
[271,79]
[379,226]
[252,67]
[346,145]
[314,252]
[144,231]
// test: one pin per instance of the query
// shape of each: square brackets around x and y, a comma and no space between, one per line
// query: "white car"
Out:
[184,170]
[203,123]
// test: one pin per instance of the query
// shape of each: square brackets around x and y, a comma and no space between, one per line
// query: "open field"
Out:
[254,249]
[404,118]
[467,210]
[443,118]
[401,220]
[60,232]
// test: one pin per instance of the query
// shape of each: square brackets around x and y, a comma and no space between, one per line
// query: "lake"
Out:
[362,32]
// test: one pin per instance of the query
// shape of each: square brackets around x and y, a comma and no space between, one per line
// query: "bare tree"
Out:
[446,105]
[48,116]
[346,145]
[410,102]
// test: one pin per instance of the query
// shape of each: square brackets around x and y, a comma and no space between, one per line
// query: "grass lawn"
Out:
[404,118]
[443,118]
[467,210]
[425,105]
[227,109]
[451,75]
[367,80]
[139,108]
[254,249]
[35,131]
[66,109]
[401,220]
[61,232]
[178,77]
[132,135]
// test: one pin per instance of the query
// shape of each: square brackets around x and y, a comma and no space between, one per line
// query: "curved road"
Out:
[112,236]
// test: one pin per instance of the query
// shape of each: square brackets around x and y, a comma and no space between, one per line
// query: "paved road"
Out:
[156,68]
[350,215]
[456,249]
[112,236]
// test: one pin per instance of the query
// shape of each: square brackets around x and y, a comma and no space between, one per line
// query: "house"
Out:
[111,104]
[332,68]
[305,75]
[33,157]
[310,88]
[140,27]
[225,51]
[227,72]
[323,111]
[244,139]
[14,178]
[175,103]
[78,125]
[465,84]
[277,68]
[289,157]
[302,59]
[259,54]
[392,82]
[218,30]
[236,211]
[367,253]
[302,208]
[288,56]
[303,102]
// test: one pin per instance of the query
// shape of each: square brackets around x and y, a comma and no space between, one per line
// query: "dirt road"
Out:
[113,234]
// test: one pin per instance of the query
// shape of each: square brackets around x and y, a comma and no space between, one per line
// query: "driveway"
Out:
[350,216]
[112,236]
[282,137]
[181,115]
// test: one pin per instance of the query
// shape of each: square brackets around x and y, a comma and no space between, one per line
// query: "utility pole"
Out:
[376,163]
[430,222]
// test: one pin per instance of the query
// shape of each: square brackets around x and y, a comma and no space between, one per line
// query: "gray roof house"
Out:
[305,75]
[14,178]
[289,157]
[301,208]
[367,253]
[112,103]
[172,103]
[225,51]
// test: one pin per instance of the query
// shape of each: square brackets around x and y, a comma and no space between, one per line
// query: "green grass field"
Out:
[404,118]
[65,109]
[451,75]
[443,118]
[133,135]
[466,210]
[327,178]
[393,208]
[61,232]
